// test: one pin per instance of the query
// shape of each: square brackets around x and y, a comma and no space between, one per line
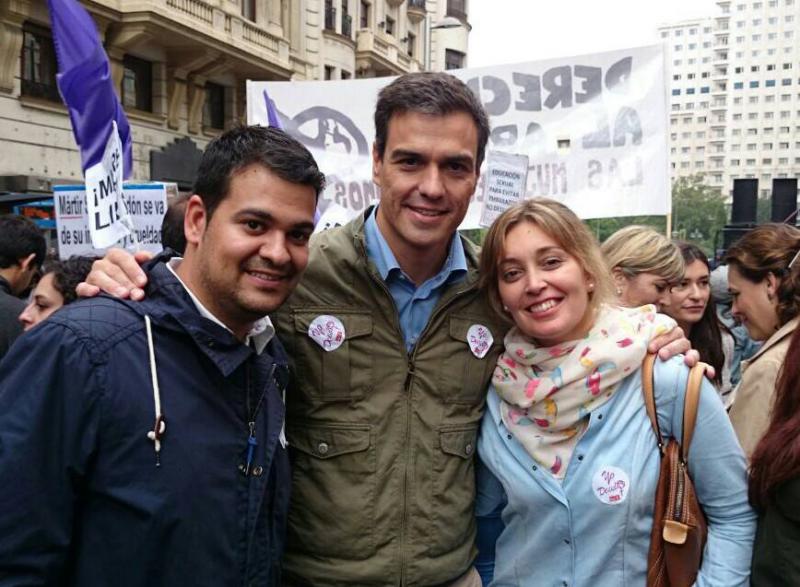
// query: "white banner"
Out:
[146,202]
[593,127]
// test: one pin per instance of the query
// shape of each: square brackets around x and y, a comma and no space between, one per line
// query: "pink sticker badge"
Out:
[327,332]
[611,485]
[480,340]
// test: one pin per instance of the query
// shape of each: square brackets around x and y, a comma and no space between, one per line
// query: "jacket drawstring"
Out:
[160,425]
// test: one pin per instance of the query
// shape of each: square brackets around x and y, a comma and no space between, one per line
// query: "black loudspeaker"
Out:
[784,200]
[731,234]
[745,201]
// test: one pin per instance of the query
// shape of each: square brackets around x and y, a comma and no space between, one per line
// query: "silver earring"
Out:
[505,308]
[619,291]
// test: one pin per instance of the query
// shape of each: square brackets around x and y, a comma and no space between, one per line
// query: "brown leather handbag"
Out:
[679,525]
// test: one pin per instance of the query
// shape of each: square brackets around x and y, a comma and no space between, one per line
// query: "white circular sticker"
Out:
[480,340]
[327,332]
[611,485]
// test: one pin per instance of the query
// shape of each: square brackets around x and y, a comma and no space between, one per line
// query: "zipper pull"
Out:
[251,448]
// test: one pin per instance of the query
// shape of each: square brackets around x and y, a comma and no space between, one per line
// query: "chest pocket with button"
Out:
[341,374]
[467,377]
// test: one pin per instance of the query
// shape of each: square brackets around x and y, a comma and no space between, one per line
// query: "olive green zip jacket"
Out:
[382,442]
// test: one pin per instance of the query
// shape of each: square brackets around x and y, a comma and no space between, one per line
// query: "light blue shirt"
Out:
[573,532]
[414,304]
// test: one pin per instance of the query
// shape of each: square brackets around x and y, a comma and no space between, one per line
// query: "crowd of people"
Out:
[384,404]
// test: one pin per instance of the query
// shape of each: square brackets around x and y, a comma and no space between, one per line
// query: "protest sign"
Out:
[108,218]
[594,129]
[504,183]
[147,204]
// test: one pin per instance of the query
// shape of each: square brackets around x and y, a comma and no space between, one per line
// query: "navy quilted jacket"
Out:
[82,501]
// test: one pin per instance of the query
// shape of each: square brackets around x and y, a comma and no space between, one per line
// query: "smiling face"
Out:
[45,299]
[689,298]
[641,289]
[427,175]
[543,288]
[752,304]
[244,262]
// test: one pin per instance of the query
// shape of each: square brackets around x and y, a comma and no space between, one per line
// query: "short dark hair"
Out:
[436,94]
[19,237]
[172,235]
[245,145]
[68,274]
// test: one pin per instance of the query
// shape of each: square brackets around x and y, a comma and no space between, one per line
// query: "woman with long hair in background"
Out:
[692,307]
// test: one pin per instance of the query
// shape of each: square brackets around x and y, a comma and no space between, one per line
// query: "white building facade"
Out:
[735,93]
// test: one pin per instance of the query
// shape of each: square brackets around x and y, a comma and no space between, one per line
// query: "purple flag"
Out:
[272,113]
[84,79]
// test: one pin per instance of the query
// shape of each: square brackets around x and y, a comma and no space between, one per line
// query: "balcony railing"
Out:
[347,25]
[330,19]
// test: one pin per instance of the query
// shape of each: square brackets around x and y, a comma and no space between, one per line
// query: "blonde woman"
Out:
[644,264]
[567,451]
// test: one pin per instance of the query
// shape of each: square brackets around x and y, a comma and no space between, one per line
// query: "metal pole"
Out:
[427,41]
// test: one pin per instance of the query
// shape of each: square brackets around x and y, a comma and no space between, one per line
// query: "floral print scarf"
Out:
[547,393]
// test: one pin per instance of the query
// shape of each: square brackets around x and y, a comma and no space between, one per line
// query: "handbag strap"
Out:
[649,397]
[690,403]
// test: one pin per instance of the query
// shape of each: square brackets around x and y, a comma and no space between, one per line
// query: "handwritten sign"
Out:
[611,485]
[147,204]
[503,184]
[108,218]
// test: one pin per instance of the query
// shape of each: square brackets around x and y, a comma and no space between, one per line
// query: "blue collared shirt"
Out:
[581,531]
[414,304]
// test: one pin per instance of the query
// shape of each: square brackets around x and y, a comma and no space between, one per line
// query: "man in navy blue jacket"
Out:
[141,444]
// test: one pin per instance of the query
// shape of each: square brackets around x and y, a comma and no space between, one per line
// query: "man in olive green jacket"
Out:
[393,347]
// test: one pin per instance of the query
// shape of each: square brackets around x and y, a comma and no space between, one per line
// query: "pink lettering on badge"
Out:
[480,340]
[327,331]
[610,485]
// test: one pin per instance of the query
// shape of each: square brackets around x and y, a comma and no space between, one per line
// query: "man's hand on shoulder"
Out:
[674,343]
[117,274]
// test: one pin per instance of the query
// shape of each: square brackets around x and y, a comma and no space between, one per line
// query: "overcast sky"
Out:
[512,31]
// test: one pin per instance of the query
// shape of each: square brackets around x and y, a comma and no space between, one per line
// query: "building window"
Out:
[137,83]
[214,107]
[346,74]
[364,14]
[328,72]
[347,22]
[38,64]
[412,42]
[754,84]
[457,8]
[453,59]
[330,16]
[738,85]
[389,25]
[249,9]
[770,83]
[676,91]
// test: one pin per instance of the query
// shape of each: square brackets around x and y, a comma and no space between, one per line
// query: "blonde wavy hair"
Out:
[640,249]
